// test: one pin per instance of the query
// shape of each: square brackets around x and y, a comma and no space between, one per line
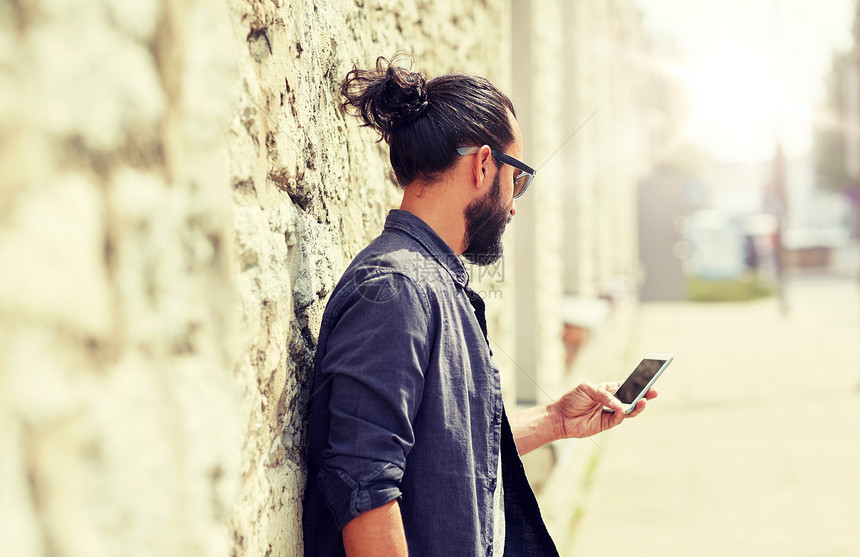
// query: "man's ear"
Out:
[481,166]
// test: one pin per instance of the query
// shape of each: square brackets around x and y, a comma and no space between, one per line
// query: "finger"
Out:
[615,418]
[602,397]
[640,407]
[652,394]
[606,406]
[611,386]
[610,401]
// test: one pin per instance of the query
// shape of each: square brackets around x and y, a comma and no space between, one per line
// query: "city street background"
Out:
[752,447]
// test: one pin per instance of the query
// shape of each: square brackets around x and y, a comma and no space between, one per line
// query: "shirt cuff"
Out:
[347,498]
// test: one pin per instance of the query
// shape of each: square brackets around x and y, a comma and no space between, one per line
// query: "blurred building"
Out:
[596,114]
[584,110]
[837,138]
[661,210]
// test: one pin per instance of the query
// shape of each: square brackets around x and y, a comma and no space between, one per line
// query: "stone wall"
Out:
[119,421]
[179,194]
[310,190]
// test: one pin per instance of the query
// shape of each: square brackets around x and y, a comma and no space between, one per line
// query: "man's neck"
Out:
[444,216]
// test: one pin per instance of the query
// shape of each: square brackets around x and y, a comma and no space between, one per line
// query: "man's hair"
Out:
[423,121]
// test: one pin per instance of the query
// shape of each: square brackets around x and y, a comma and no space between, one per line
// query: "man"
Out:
[411,451]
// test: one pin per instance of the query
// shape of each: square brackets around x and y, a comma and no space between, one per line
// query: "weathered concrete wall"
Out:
[119,420]
[179,194]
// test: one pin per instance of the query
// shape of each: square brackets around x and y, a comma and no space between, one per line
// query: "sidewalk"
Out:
[753,448]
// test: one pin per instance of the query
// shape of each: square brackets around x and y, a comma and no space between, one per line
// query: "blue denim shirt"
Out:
[407,404]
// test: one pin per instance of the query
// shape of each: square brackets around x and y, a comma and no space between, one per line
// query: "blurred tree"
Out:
[830,142]
[837,141]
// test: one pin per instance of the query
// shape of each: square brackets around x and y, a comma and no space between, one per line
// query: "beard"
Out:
[486,219]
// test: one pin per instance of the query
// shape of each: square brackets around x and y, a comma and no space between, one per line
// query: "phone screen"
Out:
[637,381]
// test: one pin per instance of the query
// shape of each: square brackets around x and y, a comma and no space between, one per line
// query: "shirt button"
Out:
[498,418]
[490,549]
[493,484]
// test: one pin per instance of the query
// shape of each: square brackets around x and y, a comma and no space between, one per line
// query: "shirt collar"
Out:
[412,225]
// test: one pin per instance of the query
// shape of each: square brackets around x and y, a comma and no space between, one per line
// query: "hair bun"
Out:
[406,95]
[387,97]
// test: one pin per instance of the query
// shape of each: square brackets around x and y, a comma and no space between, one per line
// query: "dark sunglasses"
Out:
[522,181]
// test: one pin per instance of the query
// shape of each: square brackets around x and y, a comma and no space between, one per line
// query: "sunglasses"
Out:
[522,181]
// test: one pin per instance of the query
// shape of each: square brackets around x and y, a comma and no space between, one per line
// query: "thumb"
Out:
[608,400]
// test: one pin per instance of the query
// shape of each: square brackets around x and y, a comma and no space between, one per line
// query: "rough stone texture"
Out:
[310,190]
[119,416]
[178,195]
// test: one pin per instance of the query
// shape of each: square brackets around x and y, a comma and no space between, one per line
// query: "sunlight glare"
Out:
[737,104]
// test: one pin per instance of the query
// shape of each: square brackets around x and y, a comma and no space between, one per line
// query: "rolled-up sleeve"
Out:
[375,359]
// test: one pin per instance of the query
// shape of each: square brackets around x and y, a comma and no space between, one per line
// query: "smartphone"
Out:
[642,379]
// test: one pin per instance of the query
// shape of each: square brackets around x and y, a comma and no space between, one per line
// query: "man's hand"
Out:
[579,413]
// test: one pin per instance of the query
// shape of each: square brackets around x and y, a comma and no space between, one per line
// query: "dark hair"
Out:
[423,121]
